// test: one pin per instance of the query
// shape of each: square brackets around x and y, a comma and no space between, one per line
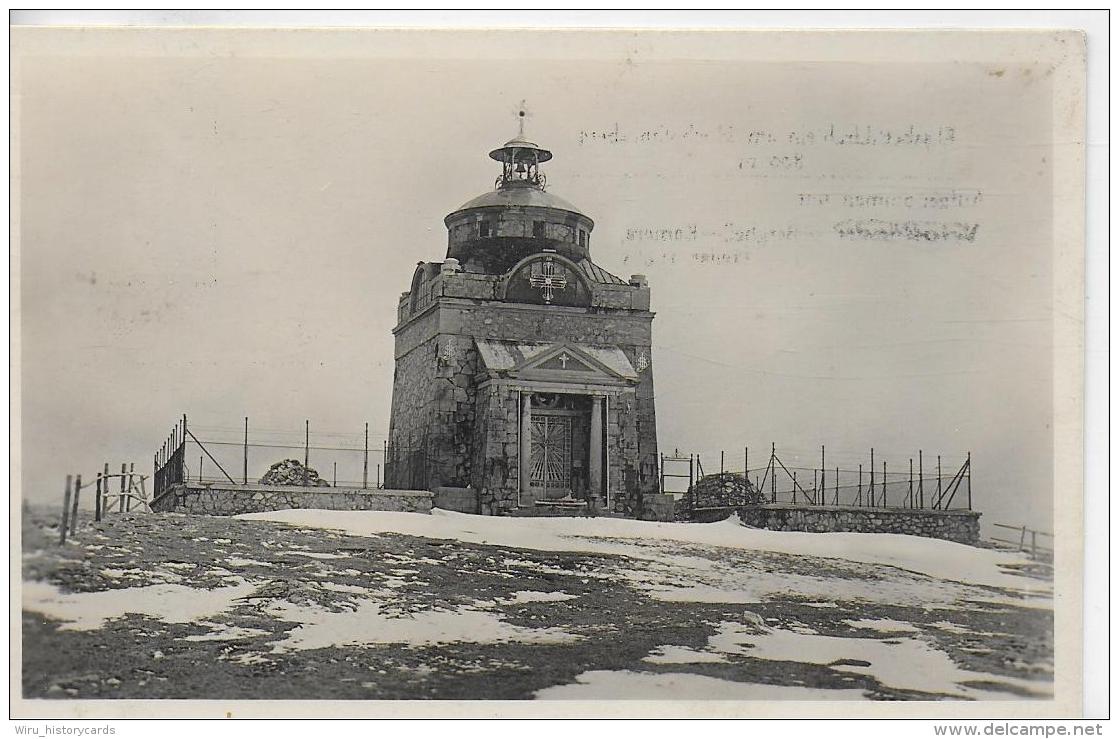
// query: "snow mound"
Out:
[933,557]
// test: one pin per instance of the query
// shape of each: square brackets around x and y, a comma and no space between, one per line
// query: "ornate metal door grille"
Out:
[550,463]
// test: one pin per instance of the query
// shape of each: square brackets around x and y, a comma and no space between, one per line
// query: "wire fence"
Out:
[246,455]
[1038,544]
[917,483]
[214,455]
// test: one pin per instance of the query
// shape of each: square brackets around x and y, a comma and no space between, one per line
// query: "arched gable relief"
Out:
[547,279]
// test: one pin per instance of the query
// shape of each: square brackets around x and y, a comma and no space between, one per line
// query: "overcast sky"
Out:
[227,234]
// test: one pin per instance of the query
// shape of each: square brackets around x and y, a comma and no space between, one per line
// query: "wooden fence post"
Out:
[65,512]
[74,506]
[97,500]
[123,472]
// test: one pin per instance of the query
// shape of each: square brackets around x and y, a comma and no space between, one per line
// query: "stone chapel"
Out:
[523,381]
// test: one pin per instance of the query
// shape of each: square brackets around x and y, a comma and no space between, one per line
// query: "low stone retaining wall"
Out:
[961,526]
[232,500]
[463,500]
[659,507]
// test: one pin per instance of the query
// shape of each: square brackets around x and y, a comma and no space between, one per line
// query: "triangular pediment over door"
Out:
[558,362]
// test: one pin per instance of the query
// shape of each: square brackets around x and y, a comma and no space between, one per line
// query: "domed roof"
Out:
[522,196]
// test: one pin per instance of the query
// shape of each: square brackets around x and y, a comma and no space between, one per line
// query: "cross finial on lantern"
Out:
[522,113]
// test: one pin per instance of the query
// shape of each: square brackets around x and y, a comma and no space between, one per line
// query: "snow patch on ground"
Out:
[886,625]
[672,654]
[534,596]
[629,685]
[370,623]
[172,603]
[242,562]
[902,663]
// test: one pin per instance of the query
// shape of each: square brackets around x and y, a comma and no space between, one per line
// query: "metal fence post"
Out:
[822,482]
[245,459]
[921,479]
[773,471]
[939,478]
[969,481]
[870,490]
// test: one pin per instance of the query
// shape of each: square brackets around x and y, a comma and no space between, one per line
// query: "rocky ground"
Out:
[176,606]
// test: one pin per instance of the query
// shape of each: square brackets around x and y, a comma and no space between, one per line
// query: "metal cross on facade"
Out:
[563,360]
[548,280]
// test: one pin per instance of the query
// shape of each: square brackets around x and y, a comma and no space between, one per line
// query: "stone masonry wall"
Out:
[453,411]
[960,526]
[413,410]
[231,501]
[553,323]
[496,469]
[621,450]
